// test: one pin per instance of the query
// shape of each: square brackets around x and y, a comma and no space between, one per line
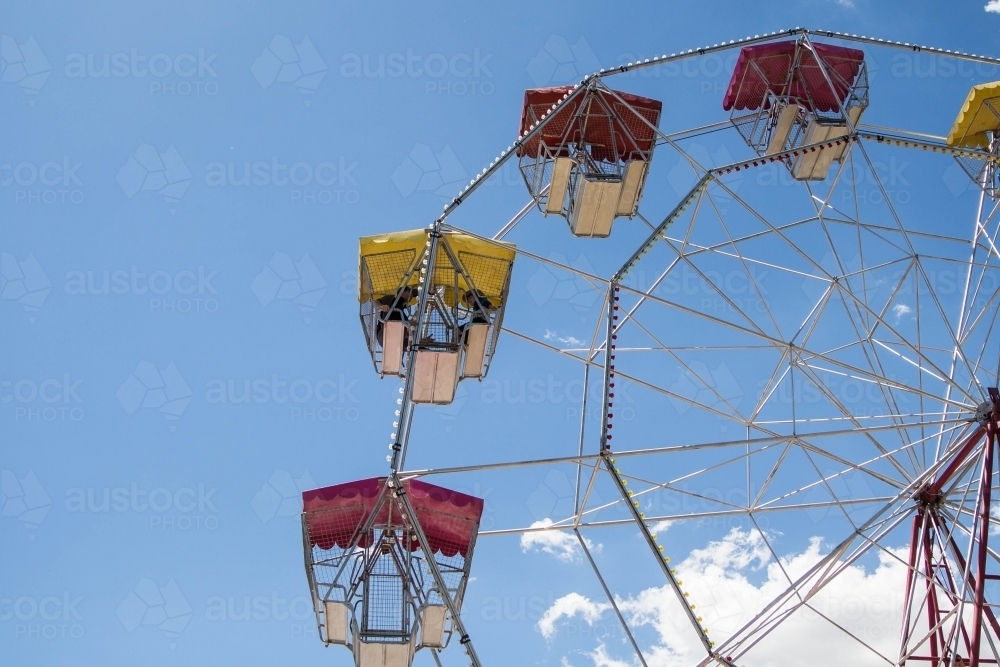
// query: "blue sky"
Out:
[151,262]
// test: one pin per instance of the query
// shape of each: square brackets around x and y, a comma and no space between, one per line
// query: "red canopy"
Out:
[335,513]
[750,84]
[613,130]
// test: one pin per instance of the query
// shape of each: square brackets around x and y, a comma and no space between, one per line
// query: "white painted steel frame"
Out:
[942,428]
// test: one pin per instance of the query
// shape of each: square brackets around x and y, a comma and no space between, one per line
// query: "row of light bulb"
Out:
[621,478]
[659,547]
[399,401]
[781,33]
[700,50]
[933,148]
[681,209]
[511,147]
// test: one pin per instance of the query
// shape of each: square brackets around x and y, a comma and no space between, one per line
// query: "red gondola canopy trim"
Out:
[748,89]
[620,138]
[335,513]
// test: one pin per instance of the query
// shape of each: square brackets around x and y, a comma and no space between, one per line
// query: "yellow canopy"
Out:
[387,259]
[980,114]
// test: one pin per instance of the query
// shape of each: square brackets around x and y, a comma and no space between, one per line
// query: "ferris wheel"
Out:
[854,386]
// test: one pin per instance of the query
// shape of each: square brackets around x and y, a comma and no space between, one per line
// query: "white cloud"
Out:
[569,606]
[847,4]
[602,659]
[993,6]
[660,527]
[721,581]
[565,340]
[561,544]
[901,309]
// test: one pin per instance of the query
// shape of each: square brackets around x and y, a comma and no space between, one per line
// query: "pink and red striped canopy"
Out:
[334,514]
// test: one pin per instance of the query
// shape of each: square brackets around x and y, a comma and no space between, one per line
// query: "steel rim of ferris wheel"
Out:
[948,453]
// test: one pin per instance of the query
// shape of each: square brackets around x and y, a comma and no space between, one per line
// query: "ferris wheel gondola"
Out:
[789,94]
[589,159]
[460,285]
[388,562]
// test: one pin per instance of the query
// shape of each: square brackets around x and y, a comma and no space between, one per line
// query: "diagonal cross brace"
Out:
[400,495]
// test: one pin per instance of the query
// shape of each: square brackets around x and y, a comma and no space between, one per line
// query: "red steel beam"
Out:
[984,535]
[933,492]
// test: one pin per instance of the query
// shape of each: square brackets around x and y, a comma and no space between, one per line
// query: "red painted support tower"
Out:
[945,606]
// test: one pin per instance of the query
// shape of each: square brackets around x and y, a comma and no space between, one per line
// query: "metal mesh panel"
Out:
[757,126]
[327,535]
[599,129]
[557,126]
[369,322]
[453,568]
[440,330]
[769,68]
[386,614]
[983,171]
[439,320]
[385,272]
[488,273]
[537,173]
[639,130]
[439,325]
[838,69]
[381,275]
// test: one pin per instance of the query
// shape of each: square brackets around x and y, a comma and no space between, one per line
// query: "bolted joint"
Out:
[984,413]
[927,499]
